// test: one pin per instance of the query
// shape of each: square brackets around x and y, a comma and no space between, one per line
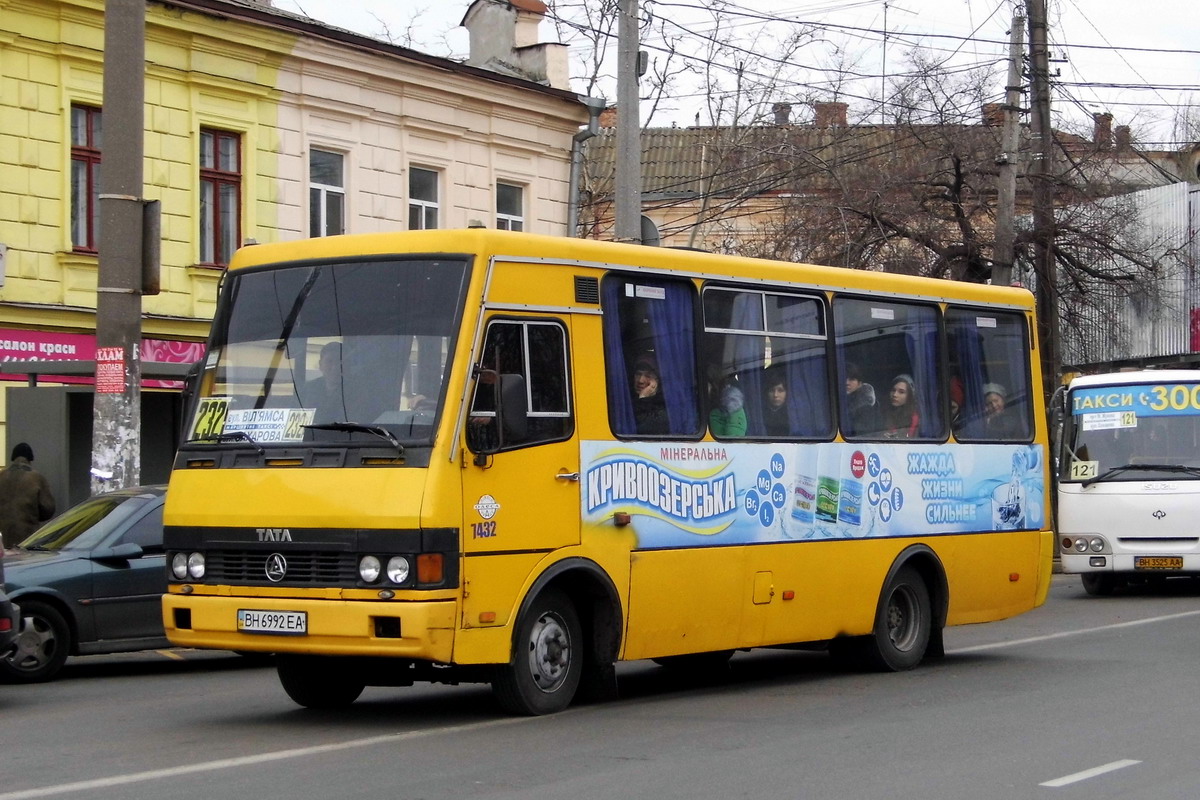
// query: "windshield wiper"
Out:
[227,438]
[1111,471]
[358,427]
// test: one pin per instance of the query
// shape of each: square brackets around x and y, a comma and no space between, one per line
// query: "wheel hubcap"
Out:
[902,618]
[549,653]
[36,644]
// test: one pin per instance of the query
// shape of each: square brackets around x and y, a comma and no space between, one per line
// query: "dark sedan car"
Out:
[8,612]
[89,581]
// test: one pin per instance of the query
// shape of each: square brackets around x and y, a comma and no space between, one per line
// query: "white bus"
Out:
[1129,481]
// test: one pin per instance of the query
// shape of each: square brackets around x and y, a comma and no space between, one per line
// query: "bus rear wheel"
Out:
[547,664]
[903,623]
[1098,584]
[315,682]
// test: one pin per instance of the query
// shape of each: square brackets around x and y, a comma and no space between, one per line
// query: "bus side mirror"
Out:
[514,418]
[489,434]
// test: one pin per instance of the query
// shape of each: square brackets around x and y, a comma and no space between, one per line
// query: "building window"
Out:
[510,207]
[422,199]
[326,194]
[85,177]
[220,195]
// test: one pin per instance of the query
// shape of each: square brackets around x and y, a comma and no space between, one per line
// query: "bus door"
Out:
[521,470]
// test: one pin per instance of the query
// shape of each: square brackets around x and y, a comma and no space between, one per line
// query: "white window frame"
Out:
[510,222]
[425,204]
[323,192]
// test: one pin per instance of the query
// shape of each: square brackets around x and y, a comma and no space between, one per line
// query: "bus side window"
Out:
[529,359]
[897,348]
[771,348]
[649,328]
[988,351]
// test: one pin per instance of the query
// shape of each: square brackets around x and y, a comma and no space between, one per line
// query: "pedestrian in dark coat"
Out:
[25,497]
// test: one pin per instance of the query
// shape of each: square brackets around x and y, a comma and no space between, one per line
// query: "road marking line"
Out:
[1050,636]
[230,763]
[1090,773]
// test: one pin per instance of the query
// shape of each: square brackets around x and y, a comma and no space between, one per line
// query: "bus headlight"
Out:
[195,566]
[1081,545]
[179,566]
[368,569]
[1097,545]
[398,569]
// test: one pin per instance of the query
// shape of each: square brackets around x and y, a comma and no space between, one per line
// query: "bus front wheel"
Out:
[903,623]
[315,682]
[1099,584]
[547,659]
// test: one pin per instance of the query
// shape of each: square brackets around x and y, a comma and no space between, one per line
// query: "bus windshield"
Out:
[312,353]
[1133,433]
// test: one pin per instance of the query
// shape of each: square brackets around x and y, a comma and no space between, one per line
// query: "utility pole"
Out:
[1006,188]
[116,427]
[628,195]
[1043,196]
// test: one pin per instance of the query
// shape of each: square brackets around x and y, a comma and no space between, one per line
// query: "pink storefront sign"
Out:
[27,345]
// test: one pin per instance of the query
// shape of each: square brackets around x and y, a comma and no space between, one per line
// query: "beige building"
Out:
[259,125]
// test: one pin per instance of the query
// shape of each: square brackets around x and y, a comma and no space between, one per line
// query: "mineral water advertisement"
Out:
[689,495]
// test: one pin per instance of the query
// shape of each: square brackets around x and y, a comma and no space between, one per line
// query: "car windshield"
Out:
[1134,433]
[351,351]
[84,526]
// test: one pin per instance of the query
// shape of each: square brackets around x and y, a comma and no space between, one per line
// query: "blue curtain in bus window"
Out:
[968,349]
[808,396]
[672,339]
[673,321]
[620,391]
[748,358]
[921,341]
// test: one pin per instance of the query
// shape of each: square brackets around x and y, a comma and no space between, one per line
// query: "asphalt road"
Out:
[1084,697]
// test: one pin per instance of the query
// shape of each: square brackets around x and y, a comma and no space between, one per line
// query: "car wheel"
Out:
[547,659]
[1098,584]
[316,682]
[903,623]
[42,645]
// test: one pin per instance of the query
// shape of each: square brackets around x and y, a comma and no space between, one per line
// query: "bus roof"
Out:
[1136,377]
[472,241]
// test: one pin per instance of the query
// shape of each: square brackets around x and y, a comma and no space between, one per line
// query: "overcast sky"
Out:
[1104,44]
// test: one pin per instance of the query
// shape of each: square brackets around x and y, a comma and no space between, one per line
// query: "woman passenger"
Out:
[901,419]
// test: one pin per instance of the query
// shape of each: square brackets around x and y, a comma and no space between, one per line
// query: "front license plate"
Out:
[1158,562]
[293,623]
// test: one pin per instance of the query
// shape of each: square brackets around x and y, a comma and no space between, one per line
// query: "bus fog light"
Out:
[369,568]
[179,566]
[1097,561]
[398,569]
[195,566]
[1081,545]
[1097,545]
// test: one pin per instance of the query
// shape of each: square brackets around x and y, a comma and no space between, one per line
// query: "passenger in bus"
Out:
[325,393]
[649,408]
[998,421]
[774,409]
[728,417]
[860,403]
[901,419]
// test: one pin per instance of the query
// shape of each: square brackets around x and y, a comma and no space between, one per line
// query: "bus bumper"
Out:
[1180,563]
[416,630]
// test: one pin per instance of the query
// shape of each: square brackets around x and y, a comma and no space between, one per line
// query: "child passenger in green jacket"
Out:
[728,418]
